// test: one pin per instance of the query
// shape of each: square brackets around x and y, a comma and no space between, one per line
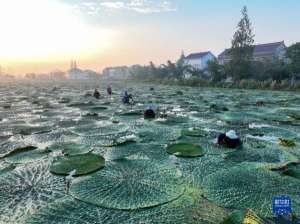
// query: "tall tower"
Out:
[75,65]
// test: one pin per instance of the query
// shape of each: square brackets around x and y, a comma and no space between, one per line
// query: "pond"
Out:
[131,170]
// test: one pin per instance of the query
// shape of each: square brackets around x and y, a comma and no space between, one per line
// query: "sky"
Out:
[44,35]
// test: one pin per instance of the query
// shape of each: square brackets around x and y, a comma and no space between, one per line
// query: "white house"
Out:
[76,73]
[199,60]
[120,72]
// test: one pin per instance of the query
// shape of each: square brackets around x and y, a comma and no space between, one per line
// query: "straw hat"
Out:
[231,134]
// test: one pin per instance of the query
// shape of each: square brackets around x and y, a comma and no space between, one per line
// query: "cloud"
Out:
[139,6]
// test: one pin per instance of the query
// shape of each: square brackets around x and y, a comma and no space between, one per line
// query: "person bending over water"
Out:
[96,94]
[229,140]
[149,113]
[127,98]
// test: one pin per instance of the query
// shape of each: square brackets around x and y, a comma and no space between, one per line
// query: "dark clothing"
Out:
[109,90]
[96,94]
[228,142]
[126,98]
[149,114]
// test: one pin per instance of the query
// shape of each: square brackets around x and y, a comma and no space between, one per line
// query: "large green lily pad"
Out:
[130,184]
[190,208]
[28,130]
[250,187]
[27,156]
[185,149]
[26,189]
[19,150]
[293,170]
[194,132]
[105,128]
[269,154]
[83,164]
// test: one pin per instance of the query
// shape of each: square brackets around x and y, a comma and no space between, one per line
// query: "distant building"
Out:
[38,76]
[261,52]
[120,72]
[78,74]
[6,77]
[199,60]
[57,75]
[30,76]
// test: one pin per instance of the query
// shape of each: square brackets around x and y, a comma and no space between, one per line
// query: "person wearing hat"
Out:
[150,113]
[229,140]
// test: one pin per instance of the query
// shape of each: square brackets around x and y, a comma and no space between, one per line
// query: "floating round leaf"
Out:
[70,210]
[97,109]
[174,120]
[75,149]
[20,150]
[190,208]
[28,130]
[131,113]
[249,187]
[27,189]
[130,184]
[105,128]
[185,150]
[83,164]
[27,156]
[194,132]
[269,154]
[293,170]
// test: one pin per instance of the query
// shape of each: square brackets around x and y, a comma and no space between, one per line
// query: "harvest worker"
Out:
[229,140]
[260,103]
[127,98]
[149,113]
[109,90]
[96,94]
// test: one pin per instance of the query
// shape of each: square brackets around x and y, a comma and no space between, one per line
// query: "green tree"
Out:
[293,54]
[181,60]
[216,71]
[242,48]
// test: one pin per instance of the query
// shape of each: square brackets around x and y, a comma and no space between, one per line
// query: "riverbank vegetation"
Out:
[242,71]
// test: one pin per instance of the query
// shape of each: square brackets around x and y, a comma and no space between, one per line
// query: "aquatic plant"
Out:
[185,149]
[130,184]
[83,164]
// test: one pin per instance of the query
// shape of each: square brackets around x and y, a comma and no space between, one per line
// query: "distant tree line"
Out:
[243,71]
